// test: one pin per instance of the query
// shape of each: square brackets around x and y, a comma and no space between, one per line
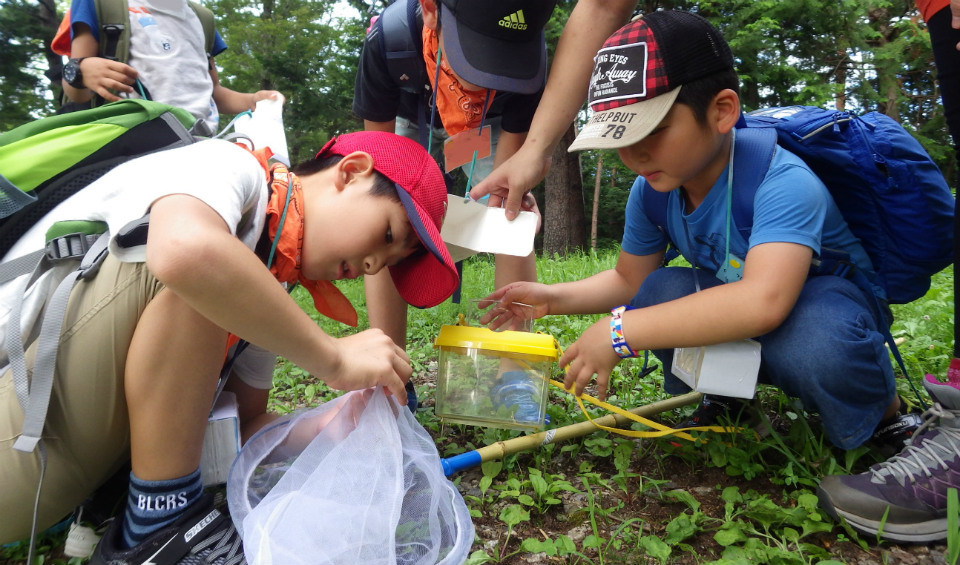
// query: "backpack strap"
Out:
[752,155]
[114,21]
[208,24]
[401,25]
[36,390]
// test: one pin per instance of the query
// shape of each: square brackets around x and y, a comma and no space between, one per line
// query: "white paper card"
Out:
[265,128]
[727,369]
[471,227]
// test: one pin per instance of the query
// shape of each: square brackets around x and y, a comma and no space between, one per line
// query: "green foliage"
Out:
[301,49]
[22,84]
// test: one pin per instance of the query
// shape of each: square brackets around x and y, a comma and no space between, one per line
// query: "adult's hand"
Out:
[513,179]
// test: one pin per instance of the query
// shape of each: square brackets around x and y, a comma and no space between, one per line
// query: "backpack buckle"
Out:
[113,33]
[832,262]
[70,246]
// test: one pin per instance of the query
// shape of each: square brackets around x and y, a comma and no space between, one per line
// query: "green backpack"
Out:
[42,163]
[45,161]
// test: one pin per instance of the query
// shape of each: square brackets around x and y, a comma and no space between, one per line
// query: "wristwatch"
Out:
[72,74]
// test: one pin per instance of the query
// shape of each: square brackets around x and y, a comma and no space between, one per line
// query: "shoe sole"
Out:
[919,533]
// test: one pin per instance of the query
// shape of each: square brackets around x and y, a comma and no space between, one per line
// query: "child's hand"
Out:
[266,95]
[515,303]
[590,355]
[104,77]
[367,359]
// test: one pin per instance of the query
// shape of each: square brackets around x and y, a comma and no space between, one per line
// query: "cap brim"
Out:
[624,125]
[508,66]
[427,279]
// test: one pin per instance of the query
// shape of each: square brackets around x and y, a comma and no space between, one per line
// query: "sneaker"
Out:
[91,519]
[903,499]
[412,402]
[84,533]
[202,536]
[892,434]
[715,410]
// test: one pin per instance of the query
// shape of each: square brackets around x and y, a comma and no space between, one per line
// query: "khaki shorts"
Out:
[87,434]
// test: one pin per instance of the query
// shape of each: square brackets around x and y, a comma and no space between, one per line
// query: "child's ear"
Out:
[352,167]
[430,14]
[726,110]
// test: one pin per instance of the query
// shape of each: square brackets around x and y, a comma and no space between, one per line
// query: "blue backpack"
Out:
[892,195]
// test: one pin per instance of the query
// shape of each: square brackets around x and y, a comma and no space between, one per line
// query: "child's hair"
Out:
[698,94]
[382,186]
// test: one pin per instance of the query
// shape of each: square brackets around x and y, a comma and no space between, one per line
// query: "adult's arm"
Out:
[590,24]
[955,21]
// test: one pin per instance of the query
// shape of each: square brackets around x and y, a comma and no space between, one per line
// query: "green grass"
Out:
[755,527]
[519,494]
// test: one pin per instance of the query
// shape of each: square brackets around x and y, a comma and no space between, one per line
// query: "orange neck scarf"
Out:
[285,213]
[459,108]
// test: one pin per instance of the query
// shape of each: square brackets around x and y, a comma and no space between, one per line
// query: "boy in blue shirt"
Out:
[665,94]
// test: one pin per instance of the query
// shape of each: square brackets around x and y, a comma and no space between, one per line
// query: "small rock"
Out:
[577,534]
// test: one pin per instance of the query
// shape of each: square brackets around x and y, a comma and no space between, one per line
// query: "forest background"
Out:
[844,54]
[587,501]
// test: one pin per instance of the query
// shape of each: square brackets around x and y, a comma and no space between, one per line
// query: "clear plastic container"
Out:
[493,379]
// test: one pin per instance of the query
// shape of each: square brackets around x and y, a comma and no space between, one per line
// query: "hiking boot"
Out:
[715,410]
[202,536]
[892,434]
[904,499]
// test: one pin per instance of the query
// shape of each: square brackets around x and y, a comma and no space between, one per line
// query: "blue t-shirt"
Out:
[84,11]
[791,205]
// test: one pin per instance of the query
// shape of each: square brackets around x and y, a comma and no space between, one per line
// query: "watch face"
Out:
[70,72]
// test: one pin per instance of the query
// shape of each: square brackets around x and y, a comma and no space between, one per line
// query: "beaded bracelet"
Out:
[617,340]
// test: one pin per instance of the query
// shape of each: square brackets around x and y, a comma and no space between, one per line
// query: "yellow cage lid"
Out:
[507,341]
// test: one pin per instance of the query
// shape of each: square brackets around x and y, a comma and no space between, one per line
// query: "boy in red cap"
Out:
[665,95]
[143,340]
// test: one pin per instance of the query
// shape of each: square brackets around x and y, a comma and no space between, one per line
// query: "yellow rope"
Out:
[662,429]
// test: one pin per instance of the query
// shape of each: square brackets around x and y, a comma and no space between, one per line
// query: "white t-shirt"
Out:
[221,174]
[168,50]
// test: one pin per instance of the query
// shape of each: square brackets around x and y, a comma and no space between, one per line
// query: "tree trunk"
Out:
[596,204]
[888,84]
[840,79]
[47,12]
[564,218]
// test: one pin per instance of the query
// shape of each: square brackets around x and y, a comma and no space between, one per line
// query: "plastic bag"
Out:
[356,480]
